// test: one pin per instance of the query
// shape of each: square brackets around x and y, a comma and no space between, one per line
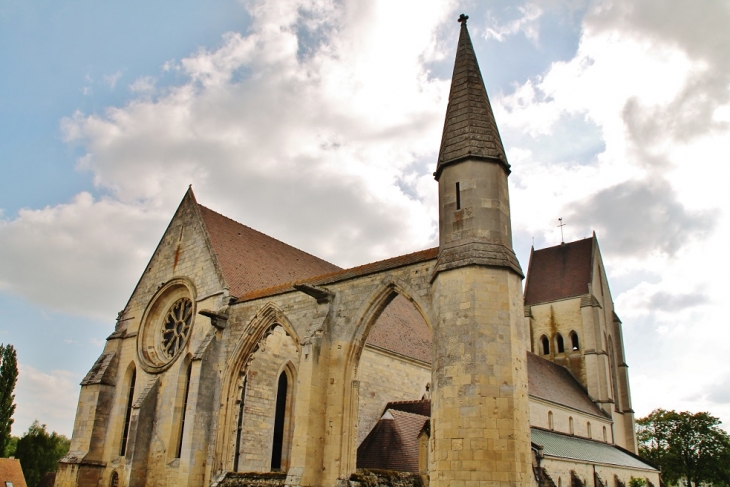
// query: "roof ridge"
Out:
[406,413]
[355,271]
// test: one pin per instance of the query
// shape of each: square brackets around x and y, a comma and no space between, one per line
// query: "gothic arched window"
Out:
[545,345]
[560,343]
[574,341]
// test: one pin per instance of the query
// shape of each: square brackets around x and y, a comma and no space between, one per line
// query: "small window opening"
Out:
[574,341]
[550,420]
[570,422]
[605,435]
[588,427]
[560,482]
[458,197]
[114,480]
[560,343]
[545,345]
[128,414]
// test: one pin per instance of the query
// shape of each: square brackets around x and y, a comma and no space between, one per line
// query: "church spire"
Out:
[469,130]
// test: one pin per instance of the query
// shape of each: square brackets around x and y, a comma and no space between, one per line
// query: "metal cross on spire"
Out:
[562,239]
[463,18]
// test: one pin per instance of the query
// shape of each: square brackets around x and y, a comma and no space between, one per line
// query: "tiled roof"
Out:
[251,260]
[581,449]
[469,128]
[559,272]
[393,443]
[11,471]
[551,382]
[401,329]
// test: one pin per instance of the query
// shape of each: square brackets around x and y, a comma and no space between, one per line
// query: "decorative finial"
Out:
[463,18]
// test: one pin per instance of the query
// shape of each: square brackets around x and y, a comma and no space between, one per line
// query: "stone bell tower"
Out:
[480,411]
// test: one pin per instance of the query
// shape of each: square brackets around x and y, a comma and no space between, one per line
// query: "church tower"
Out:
[480,410]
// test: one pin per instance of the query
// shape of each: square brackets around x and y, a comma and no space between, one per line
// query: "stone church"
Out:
[241,360]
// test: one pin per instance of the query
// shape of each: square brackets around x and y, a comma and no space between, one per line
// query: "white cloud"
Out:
[49,397]
[655,191]
[111,79]
[143,84]
[527,24]
[311,127]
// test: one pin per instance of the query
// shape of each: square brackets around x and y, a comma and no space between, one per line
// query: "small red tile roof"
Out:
[559,272]
[392,444]
[422,407]
[251,260]
[552,382]
[11,471]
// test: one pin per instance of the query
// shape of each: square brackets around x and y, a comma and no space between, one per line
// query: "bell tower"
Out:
[480,410]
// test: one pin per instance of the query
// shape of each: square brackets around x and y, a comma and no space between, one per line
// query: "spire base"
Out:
[477,252]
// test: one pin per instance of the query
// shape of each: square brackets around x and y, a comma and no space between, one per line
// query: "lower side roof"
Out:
[584,450]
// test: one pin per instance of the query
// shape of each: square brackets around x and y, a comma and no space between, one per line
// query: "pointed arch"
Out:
[388,289]
[559,343]
[258,329]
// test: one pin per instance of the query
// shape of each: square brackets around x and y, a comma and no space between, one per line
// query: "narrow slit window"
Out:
[560,343]
[570,423]
[279,422]
[550,420]
[184,409]
[458,197]
[128,414]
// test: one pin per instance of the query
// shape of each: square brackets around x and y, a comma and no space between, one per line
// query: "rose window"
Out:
[176,326]
[166,326]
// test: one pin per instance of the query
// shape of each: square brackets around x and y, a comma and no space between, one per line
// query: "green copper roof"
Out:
[469,129]
[581,449]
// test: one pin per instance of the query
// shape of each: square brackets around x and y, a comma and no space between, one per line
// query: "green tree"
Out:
[8,378]
[39,452]
[685,445]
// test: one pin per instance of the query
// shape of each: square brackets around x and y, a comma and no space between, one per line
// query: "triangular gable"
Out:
[178,254]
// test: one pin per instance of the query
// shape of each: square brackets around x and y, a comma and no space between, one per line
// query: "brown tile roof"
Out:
[392,444]
[551,382]
[345,274]
[559,272]
[401,329]
[469,129]
[422,407]
[11,471]
[251,260]
[255,265]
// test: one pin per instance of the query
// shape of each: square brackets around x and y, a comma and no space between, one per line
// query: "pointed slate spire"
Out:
[469,130]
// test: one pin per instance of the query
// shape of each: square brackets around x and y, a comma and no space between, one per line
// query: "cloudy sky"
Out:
[318,122]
